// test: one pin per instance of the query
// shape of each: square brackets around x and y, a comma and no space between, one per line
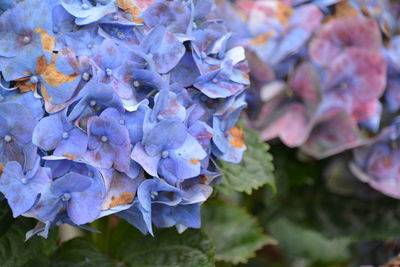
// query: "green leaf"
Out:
[167,249]
[129,247]
[302,243]
[234,231]
[255,170]
[80,252]
[14,251]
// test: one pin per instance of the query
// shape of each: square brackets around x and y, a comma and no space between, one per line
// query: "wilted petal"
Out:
[340,34]
[362,72]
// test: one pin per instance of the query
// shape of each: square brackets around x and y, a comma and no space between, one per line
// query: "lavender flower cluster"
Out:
[326,78]
[116,106]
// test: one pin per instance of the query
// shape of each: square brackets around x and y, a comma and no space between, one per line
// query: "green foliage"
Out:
[129,247]
[168,248]
[80,252]
[313,247]
[14,251]
[304,198]
[255,170]
[234,231]
[327,203]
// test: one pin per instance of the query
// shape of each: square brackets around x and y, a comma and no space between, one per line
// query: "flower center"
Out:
[65,135]
[164,154]
[120,35]
[34,79]
[86,76]
[7,138]
[27,40]
[65,197]
[85,6]
[104,139]
[92,103]
[136,83]
[109,72]
[24,181]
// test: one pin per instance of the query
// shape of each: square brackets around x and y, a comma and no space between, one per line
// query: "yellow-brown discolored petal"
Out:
[195,161]
[48,42]
[41,64]
[203,179]
[44,93]
[343,10]
[25,86]
[1,168]
[50,74]
[125,4]
[135,12]
[68,156]
[283,13]
[129,7]
[237,139]
[262,38]
[124,198]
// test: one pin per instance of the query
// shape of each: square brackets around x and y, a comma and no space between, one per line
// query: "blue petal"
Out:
[165,135]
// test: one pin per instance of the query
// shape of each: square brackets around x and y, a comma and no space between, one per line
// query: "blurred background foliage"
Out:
[277,209]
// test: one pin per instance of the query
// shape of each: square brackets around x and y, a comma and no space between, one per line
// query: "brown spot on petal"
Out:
[41,64]
[262,39]
[50,74]
[343,10]
[25,86]
[124,198]
[125,4]
[195,161]
[48,42]
[283,13]
[387,162]
[129,7]
[135,12]
[68,156]
[1,168]
[203,179]
[44,93]
[237,139]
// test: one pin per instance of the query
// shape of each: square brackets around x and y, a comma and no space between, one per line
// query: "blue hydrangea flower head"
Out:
[96,96]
